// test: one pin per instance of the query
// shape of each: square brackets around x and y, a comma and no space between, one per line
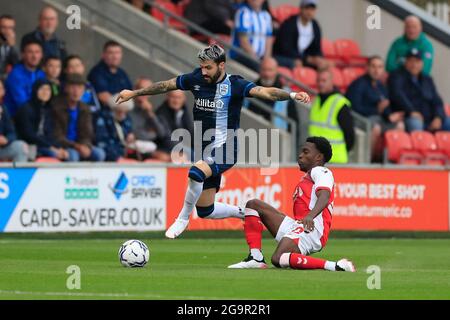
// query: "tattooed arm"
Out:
[155,88]
[275,94]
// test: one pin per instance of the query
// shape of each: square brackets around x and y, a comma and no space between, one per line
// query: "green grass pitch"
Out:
[196,268]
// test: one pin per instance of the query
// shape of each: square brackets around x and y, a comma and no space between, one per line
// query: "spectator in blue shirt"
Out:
[45,34]
[10,147]
[107,77]
[74,65]
[19,83]
[369,97]
[71,123]
[253,33]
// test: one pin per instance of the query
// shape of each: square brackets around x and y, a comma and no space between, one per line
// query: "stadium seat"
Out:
[399,148]
[443,141]
[169,6]
[329,52]
[338,79]
[424,142]
[349,51]
[47,160]
[224,37]
[282,12]
[352,73]
[305,75]
[126,160]
[287,72]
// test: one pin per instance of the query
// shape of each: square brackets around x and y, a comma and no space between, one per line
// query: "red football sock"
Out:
[299,261]
[253,229]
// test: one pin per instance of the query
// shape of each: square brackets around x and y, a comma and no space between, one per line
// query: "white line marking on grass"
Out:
[110,295]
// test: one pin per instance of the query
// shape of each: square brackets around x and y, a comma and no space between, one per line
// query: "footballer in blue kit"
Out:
[218,102]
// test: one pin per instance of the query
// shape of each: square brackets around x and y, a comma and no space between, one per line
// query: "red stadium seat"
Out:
[399,148]
[424,142]
[443,141]
[47,160]
[349,51]
[126,160]
[224,37]
[282,12]
[338,79]
[306,75]
[350,74]
[329,52]
[287,72]
[169,6]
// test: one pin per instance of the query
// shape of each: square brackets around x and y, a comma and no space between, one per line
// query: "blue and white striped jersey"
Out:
[217,105]
[258,27]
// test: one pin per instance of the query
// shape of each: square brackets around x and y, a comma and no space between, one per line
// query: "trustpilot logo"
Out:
[120,187]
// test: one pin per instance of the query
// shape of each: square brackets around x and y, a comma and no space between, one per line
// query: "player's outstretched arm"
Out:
[155,88]
[275,94]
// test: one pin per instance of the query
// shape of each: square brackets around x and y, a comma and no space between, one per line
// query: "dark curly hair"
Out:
[323,145]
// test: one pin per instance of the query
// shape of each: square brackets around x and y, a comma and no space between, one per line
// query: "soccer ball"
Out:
[133,254]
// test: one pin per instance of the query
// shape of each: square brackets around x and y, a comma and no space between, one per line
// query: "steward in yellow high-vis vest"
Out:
[324,122]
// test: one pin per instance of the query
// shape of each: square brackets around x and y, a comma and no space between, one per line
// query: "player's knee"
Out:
[196,174]
[203,212]
[254,204]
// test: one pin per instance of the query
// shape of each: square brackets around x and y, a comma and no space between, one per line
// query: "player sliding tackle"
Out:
[308,233]
[218,102]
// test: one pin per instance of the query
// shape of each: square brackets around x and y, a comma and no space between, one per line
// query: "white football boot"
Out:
[177,228]
[249,263]
[345,265]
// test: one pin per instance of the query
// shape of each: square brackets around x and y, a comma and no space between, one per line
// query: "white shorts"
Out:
[308,242]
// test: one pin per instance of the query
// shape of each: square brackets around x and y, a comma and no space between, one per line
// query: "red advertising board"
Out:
[365,199]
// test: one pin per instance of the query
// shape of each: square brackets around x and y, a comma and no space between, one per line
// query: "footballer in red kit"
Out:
[307,233]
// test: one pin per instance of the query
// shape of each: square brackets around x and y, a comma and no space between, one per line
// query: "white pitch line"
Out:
[110,295]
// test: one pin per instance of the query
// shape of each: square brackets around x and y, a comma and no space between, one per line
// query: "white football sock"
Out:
[256,254]
[193,192]
[223,210]
[330,266]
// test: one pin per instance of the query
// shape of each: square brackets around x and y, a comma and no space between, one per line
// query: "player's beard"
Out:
[215,77]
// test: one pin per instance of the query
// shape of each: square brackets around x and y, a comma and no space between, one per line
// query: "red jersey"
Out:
[305,198]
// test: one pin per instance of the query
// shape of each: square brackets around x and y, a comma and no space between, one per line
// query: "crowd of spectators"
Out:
[398,93]
[50,109]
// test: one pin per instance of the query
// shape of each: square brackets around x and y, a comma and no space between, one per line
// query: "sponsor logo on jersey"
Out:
[207,104]
[197,88]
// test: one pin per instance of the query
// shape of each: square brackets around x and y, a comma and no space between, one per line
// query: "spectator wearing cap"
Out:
[10,148]
[45,34]
[74,64]
[412,38]
[71,122]
[19,83]
[414,93]
[298,41]
[369,98]
[114,131]
[9,55]
[252,33]
[107,77]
